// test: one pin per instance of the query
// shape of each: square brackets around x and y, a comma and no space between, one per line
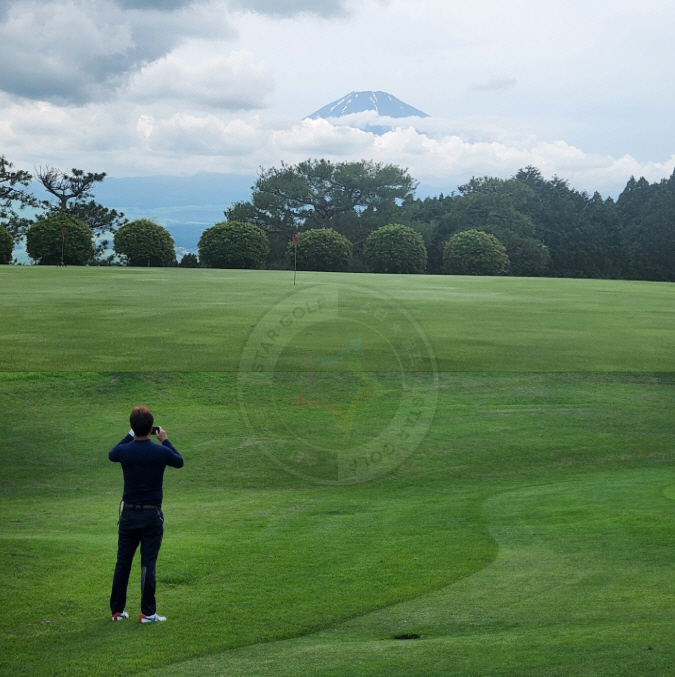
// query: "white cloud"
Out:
[494,85]
[192,136]
[319,138]
[443,160]
[325,8]
[233,82]
[160,5]
[137,139]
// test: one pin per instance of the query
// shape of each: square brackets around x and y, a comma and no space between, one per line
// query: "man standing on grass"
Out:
[141,519]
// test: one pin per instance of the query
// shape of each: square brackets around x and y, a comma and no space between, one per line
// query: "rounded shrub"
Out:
[233,244]
[395,249]
[145,243]
[6,245]
[44,241]
[473,252]
[322,249]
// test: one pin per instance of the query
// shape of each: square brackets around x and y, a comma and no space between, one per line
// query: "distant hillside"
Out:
[382,103]
[184,205]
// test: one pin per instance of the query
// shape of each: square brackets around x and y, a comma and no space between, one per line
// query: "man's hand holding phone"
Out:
[159,432]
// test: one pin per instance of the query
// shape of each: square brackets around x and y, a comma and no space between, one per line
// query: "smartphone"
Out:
[155,429]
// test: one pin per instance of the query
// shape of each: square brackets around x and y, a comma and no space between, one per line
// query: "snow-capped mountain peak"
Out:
[382,103]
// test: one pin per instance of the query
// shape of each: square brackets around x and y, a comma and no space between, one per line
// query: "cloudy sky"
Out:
[175,87]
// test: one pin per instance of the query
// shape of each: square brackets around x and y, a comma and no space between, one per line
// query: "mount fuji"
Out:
[381,103]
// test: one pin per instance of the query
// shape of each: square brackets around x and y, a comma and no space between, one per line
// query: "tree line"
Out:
[364,216]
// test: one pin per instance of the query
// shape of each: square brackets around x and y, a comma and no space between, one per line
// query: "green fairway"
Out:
[530,533]
[580,586]
[482,463]
[169,319]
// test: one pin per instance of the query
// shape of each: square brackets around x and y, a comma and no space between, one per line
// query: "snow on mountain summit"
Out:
[382,103]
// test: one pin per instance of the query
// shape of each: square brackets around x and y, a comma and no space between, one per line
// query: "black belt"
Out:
[143,507]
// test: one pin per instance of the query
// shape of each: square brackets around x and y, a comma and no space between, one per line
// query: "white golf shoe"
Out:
[150,619]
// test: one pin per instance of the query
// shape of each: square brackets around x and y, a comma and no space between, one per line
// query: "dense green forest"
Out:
[547,227]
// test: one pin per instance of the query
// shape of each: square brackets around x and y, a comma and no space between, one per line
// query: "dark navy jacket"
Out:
[143,465]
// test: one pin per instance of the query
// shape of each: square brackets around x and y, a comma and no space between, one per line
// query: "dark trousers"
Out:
[147,528]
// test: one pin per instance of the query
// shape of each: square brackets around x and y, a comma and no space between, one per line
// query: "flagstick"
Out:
[296,242]
[63,245]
